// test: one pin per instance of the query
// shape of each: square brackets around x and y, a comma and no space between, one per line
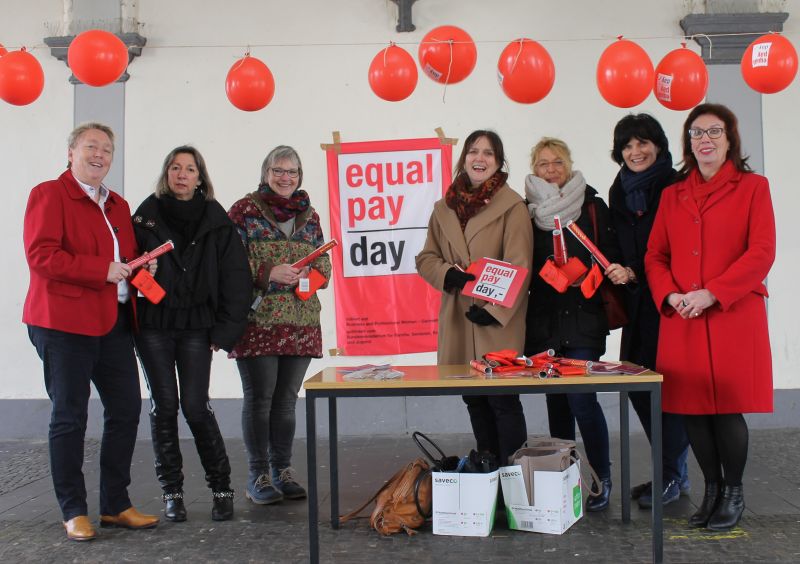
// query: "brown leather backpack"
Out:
[403,503]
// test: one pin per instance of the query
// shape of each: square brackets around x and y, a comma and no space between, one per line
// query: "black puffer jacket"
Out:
[640,335]
[208,285]
[569,320]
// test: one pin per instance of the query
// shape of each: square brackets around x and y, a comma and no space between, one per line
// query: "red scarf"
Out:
[701,188]
[284,208]
[467,201]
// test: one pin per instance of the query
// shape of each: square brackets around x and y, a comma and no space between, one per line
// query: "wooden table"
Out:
[461,380]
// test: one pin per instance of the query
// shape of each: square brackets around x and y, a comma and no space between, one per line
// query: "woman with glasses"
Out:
[711,248]
[480,216]
[207,286]
[570,323]
[642,151]
[279,227]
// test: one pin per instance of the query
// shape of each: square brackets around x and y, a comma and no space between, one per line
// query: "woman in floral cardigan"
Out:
[278,227]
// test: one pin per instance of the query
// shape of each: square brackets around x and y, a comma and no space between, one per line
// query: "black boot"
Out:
[600,502]
[710,501]
[222,510]
[174,509]
[168,459]
[729,510]
[214,459]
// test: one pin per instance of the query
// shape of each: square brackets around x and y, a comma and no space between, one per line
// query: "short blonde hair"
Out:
[76,133]
[558,147]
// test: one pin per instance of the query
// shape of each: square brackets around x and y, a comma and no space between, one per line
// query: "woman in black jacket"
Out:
[207,283]
[642,151]
[571,324]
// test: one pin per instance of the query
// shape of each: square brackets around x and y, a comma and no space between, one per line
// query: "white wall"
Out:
[319,52]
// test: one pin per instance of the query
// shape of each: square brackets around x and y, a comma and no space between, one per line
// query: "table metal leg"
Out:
[311,455]
[655,442]
[625,457]
[333,440]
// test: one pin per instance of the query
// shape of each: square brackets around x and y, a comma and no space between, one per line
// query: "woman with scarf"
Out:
[710,250]
[480,216]
[279,227]
[571,324]
[642,151]
[207,285]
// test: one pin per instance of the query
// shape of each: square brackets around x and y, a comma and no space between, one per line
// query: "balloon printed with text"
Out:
[447,54]
[525,71]
[681,79]
[97,57]
[769,64]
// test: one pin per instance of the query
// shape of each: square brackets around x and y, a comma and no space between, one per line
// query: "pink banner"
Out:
[381,197]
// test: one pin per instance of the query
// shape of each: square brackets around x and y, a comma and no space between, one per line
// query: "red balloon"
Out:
[681,80]
[393,74]
[769,64]
[249,84]
[525,71]
[97,57]
[624,74]
[3,50]
[447,54]
[21,78]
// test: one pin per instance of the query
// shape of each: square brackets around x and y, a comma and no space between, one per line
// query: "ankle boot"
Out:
[600,502]
[211,449]
[710,502]
[222,510]
[174,509]
[729,510]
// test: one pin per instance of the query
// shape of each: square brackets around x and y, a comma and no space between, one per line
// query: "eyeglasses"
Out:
[292,172]
[713,132]
[544,165]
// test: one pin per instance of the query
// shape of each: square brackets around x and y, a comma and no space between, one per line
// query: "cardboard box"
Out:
[557,499]
[464,504]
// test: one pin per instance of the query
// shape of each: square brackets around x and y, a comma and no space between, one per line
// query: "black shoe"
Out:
[174,509]
[729,510]
[711,500]
[222,510]
[600,502]
[638,491]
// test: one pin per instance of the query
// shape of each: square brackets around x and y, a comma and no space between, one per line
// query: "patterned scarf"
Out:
[284,208]
[637,185]
[467,201]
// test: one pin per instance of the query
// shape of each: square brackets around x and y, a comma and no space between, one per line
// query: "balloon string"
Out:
[519,52]
[449,67]
[710,43]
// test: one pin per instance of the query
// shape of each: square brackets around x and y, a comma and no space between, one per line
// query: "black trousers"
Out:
[71,363]
[162,351]
[498,423]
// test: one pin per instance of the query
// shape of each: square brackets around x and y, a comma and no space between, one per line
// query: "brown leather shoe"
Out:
[80,529]
[129,519]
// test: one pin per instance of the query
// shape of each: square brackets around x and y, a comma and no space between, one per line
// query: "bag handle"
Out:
[423,474]
[355,512]
[435,464]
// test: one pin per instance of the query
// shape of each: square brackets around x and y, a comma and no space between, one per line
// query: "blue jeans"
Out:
[270,385]
[71,364]
[162,351]
[564,409]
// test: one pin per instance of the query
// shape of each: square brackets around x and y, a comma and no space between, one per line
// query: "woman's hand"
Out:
[117,272]
[285,274]
[692,304]
[619,274]
[152,266]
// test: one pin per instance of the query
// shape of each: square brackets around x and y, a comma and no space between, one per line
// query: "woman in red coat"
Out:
[711,247]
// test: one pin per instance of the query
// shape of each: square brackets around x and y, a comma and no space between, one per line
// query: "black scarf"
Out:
[183,216]
[637,185]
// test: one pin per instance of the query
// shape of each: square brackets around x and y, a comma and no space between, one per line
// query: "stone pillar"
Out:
[105,104]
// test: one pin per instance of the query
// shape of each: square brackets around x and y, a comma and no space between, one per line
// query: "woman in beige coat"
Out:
[480,216]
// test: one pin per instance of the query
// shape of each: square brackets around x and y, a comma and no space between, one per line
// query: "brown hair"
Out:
[731,131]
[493,139]
[162,186]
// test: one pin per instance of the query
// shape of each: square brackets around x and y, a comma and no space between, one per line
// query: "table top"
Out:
[459,375]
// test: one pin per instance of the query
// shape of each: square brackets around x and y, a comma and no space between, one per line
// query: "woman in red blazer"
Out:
[711,247]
